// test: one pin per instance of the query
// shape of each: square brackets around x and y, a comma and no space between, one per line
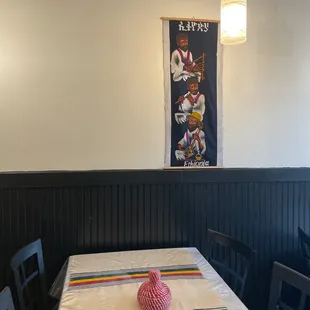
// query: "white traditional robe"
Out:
[199,105]
[188,138]
[179,59]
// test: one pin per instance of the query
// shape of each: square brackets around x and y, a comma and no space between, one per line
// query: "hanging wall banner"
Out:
[191,93]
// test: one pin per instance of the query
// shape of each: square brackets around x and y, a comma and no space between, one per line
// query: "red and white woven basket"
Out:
[154,294]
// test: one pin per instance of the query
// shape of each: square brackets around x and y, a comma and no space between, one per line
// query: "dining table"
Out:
[111,280]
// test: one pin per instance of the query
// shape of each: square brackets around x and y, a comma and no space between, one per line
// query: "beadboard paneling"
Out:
[83,212]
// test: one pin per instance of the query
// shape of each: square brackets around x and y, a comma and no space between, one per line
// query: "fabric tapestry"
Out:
[191,94]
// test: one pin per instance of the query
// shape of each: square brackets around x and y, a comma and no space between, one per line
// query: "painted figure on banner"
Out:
[182,64]
[192,101]
[193,145]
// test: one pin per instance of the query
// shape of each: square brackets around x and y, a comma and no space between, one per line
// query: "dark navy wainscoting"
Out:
[82,212]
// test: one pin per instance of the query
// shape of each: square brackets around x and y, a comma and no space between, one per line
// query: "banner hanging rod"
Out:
[192,19]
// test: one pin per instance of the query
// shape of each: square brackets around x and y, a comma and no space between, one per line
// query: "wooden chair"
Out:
[236,278]
[29,274]
[282,274]
[6,301]
[305,249]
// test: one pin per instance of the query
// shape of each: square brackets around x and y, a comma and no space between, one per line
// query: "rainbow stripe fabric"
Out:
[118,277]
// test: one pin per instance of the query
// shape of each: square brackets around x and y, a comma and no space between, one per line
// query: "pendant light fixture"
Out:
[233,21]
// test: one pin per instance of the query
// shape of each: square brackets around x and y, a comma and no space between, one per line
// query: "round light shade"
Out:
[233,21]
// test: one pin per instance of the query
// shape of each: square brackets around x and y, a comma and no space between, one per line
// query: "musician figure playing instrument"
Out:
[182,64]
[193,143]
[191,102]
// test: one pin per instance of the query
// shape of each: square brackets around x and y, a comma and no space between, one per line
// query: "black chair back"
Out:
[6,301]
[29,274]
[236,277]
[282,274]
[305,248]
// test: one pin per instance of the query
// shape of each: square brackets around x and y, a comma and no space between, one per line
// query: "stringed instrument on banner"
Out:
[189,151]
[198,66]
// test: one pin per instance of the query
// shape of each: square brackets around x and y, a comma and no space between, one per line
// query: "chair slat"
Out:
[30,278]
[302,302]
[284,306]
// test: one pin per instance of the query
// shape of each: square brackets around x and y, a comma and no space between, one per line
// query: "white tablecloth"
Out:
[101,296]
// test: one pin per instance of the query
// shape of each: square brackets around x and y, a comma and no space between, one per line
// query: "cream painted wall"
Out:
[81,84]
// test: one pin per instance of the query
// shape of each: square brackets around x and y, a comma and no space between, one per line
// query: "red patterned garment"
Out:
[154,294]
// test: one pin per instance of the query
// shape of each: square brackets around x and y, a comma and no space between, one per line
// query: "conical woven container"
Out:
[154,294]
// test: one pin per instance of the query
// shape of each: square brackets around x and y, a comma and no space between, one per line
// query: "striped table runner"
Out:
[116,277]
